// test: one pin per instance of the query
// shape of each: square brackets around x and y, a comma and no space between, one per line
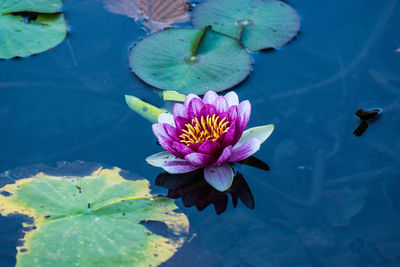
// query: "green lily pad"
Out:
[190,61]
[30,26]
[259,24]
[95,220]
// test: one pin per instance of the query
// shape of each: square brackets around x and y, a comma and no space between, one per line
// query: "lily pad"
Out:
[30,27]
[259,24]
[95,220]
[190,61]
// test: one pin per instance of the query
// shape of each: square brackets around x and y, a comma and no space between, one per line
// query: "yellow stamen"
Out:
[204,128]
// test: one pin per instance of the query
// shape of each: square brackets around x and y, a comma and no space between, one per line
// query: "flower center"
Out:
[205,128]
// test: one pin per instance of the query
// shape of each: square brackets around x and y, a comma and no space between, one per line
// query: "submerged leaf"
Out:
[190,61]
[95,220]
[259,24]
[154,14]
[173,96]
[30,27]
[144,109]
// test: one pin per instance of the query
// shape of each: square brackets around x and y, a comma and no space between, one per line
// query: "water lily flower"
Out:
[207,133]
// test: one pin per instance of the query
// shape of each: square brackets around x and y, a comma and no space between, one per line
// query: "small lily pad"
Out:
[30,27]
[94,220]
[190,61]
[259,24]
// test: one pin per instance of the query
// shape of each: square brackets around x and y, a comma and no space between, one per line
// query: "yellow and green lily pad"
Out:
[30,26]
[190,60]
[94,220]
[259,24]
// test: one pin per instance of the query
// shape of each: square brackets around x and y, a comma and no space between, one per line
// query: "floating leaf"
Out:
[173,96]
[259,24]
[154,14]
[30,27]
[96,220]
[190,61]
[144,109]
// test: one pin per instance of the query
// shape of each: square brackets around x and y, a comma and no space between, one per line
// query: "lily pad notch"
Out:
[258,24]
[30,27]
[190,60]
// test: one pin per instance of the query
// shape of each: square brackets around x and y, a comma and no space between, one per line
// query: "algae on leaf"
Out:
[259,24]
[30,27]
[190,61]
[95,220]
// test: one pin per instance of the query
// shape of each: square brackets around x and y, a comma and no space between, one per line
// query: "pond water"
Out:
[330,198]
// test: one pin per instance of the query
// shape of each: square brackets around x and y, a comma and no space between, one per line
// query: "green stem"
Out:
[196,43]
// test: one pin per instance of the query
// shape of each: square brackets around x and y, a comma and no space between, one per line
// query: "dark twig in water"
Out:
[366,117]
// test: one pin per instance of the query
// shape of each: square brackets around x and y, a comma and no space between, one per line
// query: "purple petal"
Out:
[232,113]
[179,110]
[232,99]
[220,104]
[210,97]
[209,147]
[182,148]
[194,108]
[244,150]
[226,154]
[179,166]
[164,139]
[219,177]
[166,118]
[189,98]
[224,115]
[195,146]
[199,159]
[244,112]
[180,123]
[208,110]
[161,134]
[171,131]
[230,135]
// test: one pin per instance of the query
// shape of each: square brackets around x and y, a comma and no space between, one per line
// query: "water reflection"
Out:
[193,189]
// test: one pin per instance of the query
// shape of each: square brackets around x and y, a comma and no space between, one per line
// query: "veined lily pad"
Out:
[95,220]
[259,24]
[190,61]
[30,27]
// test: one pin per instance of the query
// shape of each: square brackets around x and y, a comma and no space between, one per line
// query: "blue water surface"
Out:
[330,198]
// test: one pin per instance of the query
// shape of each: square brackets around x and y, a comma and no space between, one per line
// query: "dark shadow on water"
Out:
[193,189]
